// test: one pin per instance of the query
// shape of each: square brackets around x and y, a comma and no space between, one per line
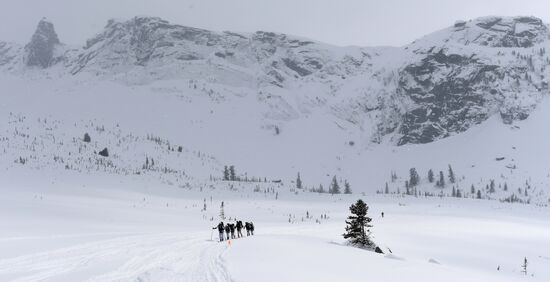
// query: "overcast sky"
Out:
[339,22]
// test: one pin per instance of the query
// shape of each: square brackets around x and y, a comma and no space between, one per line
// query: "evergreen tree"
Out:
[232,175]
[451,175]
[298,182]
[454,192]
[430,176]
[414,179]
[87,138]
[492,186]
[472,189]
[321,189]
[334,186]
[357,232]
[458,193]
[441,182]
[505,186]
[479,194]
[347,188]
[387,189]
[524,266]
[225,173]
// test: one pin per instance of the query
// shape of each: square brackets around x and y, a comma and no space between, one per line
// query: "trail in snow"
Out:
[151,257]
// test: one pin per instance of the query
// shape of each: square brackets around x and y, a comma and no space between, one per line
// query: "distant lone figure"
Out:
[382,214]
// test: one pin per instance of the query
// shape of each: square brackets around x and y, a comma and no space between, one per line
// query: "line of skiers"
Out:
[230,228]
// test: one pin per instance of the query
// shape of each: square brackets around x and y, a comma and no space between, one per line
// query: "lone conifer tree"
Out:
[441,182]
[357,232]
[387,189]
[334,186]
[87,138]
[451,175]
[413,177]
[298,182]
[347,188]
[431,176]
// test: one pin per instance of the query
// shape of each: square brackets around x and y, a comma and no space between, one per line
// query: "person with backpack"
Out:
[251,228]
[239,228]
[227,230]
[232,229]
[220,230]
[247,227]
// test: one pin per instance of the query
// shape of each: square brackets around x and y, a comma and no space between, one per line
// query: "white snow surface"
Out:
[140,232]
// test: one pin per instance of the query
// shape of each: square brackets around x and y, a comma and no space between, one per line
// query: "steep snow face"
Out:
[41,49]
[435,87]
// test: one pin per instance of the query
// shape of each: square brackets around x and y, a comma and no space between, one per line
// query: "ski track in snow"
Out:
[166,257]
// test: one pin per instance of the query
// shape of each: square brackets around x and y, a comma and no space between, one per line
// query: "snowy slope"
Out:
[174,105]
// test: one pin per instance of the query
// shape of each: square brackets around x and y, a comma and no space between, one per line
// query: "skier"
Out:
[382,214]
[232,229]
[251,228]
[239,228]
[227,230]
[220,230]
[247,227]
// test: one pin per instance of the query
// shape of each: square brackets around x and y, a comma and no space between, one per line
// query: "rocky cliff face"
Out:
[440,85]
[40,50]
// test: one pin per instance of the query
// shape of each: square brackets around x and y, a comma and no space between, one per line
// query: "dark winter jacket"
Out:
[227,228]
[239,225]
[247,225]
[232,228]
[251,226]
[220,227]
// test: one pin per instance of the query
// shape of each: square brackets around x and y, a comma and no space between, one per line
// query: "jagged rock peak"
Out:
[503,31]
[40,50]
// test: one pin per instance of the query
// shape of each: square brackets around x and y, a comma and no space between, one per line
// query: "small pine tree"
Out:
[505,186]
[492,186]
[334,186]
[87,138]
[387,189]
[430,176]
[347,188]
[454,192]
[232,175]
[472,189]
[441,181]
[298,182]
[225,173]
[414,179]
[479,194]
[524,266]
[357,232]
[321,189]
[451,175]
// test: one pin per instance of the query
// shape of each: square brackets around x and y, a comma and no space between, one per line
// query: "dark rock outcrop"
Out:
[40,50]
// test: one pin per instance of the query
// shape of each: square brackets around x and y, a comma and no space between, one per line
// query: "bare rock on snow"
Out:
[40,50]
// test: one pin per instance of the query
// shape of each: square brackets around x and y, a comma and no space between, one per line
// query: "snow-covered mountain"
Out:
[276,104]
[437,86]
